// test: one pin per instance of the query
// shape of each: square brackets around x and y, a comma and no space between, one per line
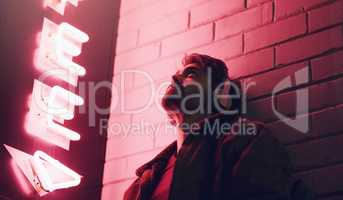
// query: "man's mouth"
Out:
[172,98]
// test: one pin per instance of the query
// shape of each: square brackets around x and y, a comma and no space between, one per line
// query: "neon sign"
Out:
[59,5]
[50,106]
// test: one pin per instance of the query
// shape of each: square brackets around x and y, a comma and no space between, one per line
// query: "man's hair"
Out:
[219,73]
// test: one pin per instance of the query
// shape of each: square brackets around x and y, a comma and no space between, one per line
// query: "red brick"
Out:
[326,94]
[190,39]
[122,119]
[320,96]
[117,70]
[147,14]
[165,135]
[326,16]
[327,66]
[316,153]
[275,33]
[118,86]
[156,71]
[156,115]
[287,103]
[222,49]
[126,41]
[254,2]
[137,56]
[244,21]
[145,95]
[251,63]
[122,82]
[115,191]
[173,24]
[263,84]
[115,170]
[286,7]
[135,161]
[214,9]
[129,142]
[128,5]
[327,122]
[261,110]
[153,12]
[176,5]
[309,46]
[323,123]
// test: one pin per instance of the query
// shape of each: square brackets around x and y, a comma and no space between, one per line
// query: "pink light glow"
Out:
[21,180]
[29,100]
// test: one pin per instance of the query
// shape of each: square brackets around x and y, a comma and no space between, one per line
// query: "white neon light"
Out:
[58,45]
[59,5]
[48,105]
[40,160]
[61,97]
[45,173]
[68,44]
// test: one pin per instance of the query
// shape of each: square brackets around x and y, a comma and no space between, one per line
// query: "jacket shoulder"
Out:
[257,161]
[251,139]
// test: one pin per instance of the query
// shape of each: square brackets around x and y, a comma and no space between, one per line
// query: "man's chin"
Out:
[169,104]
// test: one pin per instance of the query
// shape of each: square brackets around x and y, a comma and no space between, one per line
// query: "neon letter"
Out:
[58,45]
[40,164]
[50,104]
[59,5]
[44,172]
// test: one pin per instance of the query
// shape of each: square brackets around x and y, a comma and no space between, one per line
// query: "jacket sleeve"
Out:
[261,172]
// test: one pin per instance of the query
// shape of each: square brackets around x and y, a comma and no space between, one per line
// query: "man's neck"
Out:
[189,119]
[181,136]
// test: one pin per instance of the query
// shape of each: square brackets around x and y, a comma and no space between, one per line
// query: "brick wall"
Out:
[263,42]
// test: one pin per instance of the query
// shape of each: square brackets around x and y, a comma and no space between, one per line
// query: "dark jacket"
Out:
[231,166]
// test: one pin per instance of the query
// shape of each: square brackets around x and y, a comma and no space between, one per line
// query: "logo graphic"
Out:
[300,123]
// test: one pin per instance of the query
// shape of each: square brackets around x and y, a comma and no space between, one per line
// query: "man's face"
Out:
[188,91]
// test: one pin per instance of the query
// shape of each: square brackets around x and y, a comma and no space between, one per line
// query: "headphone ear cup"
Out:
[223,95]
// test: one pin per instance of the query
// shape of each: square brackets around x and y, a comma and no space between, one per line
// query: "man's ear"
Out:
[223,95]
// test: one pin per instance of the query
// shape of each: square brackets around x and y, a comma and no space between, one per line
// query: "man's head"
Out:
[201,88]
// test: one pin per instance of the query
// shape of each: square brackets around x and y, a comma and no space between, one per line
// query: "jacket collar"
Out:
[163,157]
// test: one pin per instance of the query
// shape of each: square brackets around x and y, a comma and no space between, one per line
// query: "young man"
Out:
[218,154]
